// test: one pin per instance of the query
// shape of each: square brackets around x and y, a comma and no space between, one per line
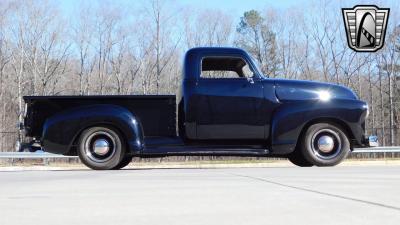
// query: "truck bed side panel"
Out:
[156,113]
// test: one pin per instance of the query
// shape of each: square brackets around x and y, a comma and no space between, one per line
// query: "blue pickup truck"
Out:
[225,107]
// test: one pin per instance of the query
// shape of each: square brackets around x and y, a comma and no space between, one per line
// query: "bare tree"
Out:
[18,63]
[128,48]
[4,60]
[390,60]
[207,28]
[160,28]
[82,35]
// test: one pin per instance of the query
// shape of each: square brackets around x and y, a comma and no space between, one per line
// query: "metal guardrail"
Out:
[44,155]
[32,155]
[386,149]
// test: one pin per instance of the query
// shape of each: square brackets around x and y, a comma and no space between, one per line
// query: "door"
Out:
[229,100]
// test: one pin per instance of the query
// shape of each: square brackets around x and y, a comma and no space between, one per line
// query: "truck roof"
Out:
[227,50]
[192,62]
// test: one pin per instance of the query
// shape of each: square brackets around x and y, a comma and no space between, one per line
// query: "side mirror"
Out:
[250,80]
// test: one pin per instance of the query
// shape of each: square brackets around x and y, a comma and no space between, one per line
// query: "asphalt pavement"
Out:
[281,195]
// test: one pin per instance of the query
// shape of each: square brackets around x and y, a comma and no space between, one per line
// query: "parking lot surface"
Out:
[282,195]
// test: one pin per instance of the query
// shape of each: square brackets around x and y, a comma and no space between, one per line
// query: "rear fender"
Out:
[61,130]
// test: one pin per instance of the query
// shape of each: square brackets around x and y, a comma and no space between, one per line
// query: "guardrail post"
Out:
[46,161]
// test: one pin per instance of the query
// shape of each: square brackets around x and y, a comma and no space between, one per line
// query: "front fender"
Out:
[60,130]
[292,116]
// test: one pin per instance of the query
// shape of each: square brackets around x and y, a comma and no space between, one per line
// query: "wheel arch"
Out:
[61,131]
[75,141]
[288,127]
[329,120]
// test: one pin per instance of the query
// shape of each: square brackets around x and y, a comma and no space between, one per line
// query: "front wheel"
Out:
[298,159]
[124,162]
[101,148]
[324,144]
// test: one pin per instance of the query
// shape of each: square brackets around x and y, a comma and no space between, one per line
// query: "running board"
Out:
[205,151]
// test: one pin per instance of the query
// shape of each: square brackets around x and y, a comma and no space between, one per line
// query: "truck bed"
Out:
[157,113]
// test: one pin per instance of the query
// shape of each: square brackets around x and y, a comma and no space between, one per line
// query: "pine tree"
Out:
[255,37]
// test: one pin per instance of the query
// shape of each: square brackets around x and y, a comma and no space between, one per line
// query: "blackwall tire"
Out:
[325,144]
[125,161]
[101,148]
[298,159]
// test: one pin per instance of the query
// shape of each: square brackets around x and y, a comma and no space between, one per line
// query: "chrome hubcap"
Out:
[101,147]
[326,144]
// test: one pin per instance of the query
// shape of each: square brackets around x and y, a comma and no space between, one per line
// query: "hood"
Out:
[309,90]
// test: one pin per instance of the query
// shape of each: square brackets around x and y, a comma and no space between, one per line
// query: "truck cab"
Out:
[224,106]
[225,96]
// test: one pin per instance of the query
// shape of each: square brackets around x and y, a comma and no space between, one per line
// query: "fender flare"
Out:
[61,131]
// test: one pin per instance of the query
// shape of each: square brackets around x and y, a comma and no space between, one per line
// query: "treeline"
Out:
[137,48]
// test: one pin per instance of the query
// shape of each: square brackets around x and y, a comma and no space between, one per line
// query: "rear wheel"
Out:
[323,144]
[101,148]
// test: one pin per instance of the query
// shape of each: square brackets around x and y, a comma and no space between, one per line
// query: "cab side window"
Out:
[225,67]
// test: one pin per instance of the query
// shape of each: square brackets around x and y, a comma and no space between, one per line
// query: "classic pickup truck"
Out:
[225,107]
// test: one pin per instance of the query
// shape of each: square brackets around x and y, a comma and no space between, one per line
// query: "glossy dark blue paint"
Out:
[273,110]
[293,116]
[308,90]
[301,106]
[230,108]
[61,130]
[227,114]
